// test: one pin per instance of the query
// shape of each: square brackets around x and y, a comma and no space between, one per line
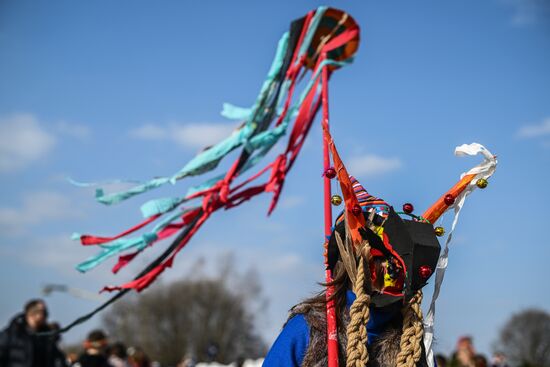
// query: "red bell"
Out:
[356,210]
[408,208]
[449,199]
[425,272]
[330,173]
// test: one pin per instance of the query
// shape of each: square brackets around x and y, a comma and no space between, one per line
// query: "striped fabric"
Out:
[366,201]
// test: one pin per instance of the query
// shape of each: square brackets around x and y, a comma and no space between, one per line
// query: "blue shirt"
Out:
[290,347]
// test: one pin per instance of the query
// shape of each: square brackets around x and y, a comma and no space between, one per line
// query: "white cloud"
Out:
[22,142]
[201,135]
[373,165]
[36,208]
[192,135]
[533,131]
[285,263]
[150,132]
[290,202]
[24,139]
[73,130]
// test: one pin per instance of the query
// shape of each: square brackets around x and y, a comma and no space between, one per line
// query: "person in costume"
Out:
[373,278]
[377,285]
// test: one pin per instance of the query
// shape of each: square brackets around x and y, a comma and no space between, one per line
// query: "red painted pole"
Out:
[332,328]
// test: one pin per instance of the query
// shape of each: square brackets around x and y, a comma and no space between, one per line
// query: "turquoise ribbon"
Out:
[210,158]
[257,145]
[116,247]
[311,29]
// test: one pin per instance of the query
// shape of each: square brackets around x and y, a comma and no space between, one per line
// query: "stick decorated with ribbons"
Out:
[317,44]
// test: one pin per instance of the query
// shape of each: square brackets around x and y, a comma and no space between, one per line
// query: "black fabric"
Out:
[402,243]
[375,241]
[21,348]
[415,242]
[426,250]
[16,345]
[88,360]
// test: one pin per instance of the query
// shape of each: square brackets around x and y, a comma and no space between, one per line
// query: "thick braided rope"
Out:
[357,354]
[411,338]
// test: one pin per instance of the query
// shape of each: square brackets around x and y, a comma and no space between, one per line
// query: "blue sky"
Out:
[133,89]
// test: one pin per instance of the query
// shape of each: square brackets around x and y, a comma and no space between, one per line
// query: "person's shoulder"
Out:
[289,348]
[312,313]
[16,324]
[296,323]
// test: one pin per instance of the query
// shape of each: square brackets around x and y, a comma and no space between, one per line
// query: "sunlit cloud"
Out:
[535,130]
[373,165]
[36,208]
[23,141]
[291,202]
[191,135]
[73,130]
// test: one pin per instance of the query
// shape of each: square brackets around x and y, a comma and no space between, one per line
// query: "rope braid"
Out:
[357,354]
[411,338]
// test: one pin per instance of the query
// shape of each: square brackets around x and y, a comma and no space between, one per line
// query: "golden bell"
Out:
[336,200]
[482,183]
[439,231]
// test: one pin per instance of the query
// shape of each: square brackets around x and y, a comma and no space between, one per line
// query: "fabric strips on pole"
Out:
[275,113]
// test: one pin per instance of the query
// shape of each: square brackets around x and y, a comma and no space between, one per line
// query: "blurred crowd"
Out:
[29,340]
[465,355]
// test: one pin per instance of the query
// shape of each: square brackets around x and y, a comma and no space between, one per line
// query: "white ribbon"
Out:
[483,170]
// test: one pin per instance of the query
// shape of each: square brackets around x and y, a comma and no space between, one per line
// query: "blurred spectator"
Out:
[117,355]
[480,361]
[441,360]
[59,358]
[72,358]
[20,344]
[94,351]
[212,351]
[239,362]
[499,360]
[464,356]
[138,358]
[187,361]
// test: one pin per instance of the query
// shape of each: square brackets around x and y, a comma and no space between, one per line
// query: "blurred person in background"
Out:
[138,358]
[20,342]
[59,357]
[441,360]
[72,358]
[187,361]
[465,353]
[95,351]
[499,360]
[117,355]
[481,361]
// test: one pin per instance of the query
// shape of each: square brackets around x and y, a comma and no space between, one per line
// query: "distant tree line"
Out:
[525,339]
